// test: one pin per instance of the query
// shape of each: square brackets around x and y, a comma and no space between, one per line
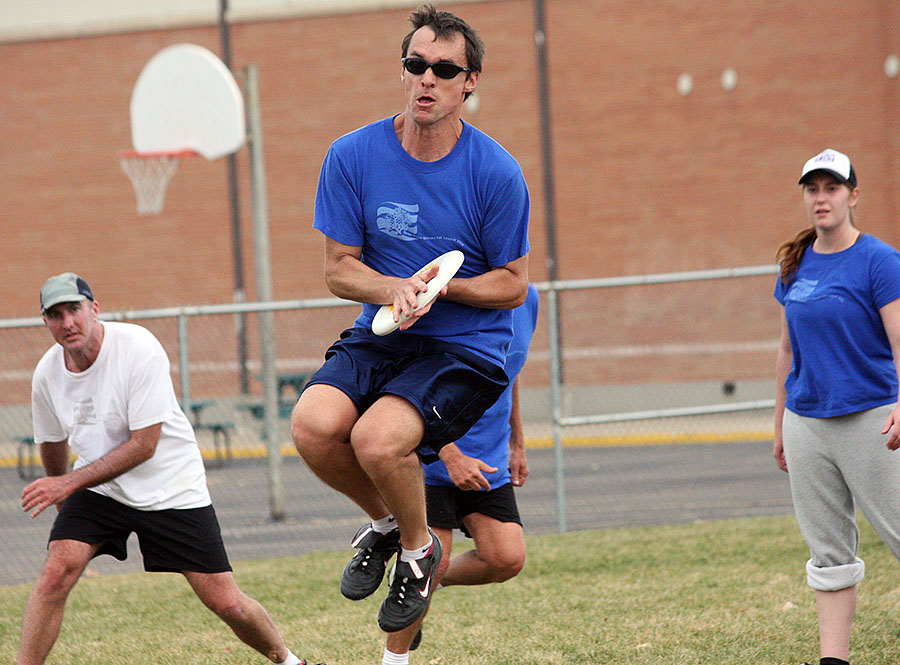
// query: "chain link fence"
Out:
[658,359]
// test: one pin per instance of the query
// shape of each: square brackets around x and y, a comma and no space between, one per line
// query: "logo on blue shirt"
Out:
[398,220]
[802,289]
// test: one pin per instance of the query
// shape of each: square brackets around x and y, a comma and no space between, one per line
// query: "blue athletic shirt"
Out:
[842,356]
[488,439]
[405,213]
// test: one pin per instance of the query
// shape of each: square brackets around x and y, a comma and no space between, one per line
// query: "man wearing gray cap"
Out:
[105,390]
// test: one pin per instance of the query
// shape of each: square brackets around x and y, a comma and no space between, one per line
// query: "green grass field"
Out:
[715,592]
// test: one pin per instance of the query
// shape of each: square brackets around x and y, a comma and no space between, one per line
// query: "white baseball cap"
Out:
[834,162]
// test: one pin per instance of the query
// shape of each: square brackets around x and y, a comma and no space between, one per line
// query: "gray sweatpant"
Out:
[831,463]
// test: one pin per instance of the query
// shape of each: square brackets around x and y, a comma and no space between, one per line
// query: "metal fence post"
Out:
[555,399]
[183,366]
[266,319]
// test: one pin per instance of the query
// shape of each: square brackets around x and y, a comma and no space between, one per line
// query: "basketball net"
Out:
[150,173]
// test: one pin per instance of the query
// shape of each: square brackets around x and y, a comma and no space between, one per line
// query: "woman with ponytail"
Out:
[836,413]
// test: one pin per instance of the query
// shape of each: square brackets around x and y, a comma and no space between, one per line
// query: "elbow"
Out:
[336,283]
[521,294]
[512,304]
[147,452]
[331,282]
[520,300]
[144,447]
[521,284]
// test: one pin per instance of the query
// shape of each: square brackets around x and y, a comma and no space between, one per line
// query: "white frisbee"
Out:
[447,264]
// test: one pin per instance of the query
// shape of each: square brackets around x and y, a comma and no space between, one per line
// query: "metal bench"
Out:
[221,432]
[26,458]
[289,388]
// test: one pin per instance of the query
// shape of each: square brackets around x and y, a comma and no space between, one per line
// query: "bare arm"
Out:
[56,487]
[467,473]
[890,317]
[499,288]
[348,277]
[55,457]
[518,464]
[782,368]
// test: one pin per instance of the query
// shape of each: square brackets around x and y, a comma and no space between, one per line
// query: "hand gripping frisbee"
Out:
[383,322]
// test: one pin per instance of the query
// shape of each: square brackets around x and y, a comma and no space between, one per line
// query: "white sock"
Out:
[385,524]
[391,658]
[290,660]
[410,555]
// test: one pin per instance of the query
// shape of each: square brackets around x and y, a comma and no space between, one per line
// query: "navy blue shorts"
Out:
[448,385]
[447,506]
[170,540]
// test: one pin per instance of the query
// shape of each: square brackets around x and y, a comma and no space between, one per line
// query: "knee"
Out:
[58,576]
[231,612]
[232,608]
[380,457]
[370,455]
[301,433]
[313,433]
[508,566]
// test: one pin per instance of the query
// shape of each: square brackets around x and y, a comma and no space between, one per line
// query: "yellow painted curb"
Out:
[256,452]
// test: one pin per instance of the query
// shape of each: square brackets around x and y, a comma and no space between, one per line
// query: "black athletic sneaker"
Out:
[364,573]
[411,589]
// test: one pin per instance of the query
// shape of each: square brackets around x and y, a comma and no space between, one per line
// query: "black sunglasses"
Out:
[443,70]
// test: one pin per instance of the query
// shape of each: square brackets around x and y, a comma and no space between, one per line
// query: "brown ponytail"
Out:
[790,252]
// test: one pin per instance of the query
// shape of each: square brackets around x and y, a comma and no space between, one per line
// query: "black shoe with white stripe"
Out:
[411,589]
[364,573]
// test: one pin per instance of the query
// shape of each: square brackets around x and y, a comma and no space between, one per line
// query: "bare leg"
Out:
[399,642]
[499,553]
[320,426]
[446,536]
[66,560]
[835,610]
[245,616]
[384,440]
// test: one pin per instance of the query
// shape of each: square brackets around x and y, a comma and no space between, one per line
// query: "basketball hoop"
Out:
[150,173]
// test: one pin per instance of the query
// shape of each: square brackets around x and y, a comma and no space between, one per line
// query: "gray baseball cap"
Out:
[67,287]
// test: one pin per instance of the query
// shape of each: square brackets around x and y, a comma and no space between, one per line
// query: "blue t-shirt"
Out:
[488,439]
[842,359]
[404,213]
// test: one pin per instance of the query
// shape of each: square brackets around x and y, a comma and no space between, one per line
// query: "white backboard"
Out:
[186,99]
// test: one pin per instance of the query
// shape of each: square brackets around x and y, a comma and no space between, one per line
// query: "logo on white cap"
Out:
[836,163]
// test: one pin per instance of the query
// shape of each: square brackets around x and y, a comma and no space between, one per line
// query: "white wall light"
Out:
[685,84]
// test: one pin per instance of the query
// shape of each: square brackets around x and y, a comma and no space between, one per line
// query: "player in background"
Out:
[837,422]
[104,390]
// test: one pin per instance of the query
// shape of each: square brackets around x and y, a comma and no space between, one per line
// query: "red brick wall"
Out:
[646,180]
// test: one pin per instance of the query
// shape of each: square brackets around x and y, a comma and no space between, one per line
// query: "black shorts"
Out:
[170,540]
[448,385]
[447,506]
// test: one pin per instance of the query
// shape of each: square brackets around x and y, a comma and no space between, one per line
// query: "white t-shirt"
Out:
[126,389]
